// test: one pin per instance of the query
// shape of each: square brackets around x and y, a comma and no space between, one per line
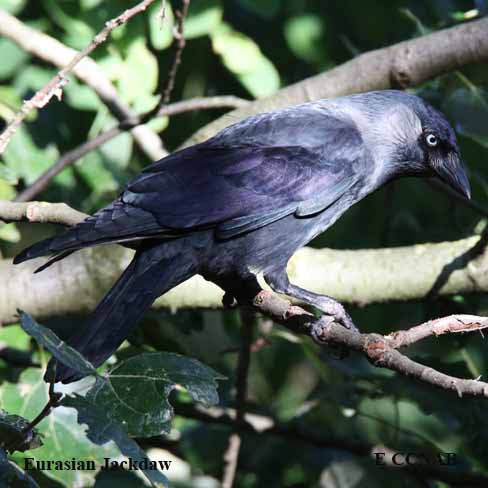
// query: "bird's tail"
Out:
[153,271]
[114,223]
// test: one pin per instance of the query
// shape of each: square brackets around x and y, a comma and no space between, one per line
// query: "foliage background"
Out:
[251,48]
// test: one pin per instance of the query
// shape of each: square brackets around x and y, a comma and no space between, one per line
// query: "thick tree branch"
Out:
[90,272]
[51,50]
[402,65]
[40,212]
[76,284]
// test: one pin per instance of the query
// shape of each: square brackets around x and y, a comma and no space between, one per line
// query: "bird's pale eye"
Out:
[431,140]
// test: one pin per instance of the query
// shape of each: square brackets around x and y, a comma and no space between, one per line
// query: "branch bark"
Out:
[379,350]
[76,284]
[90,272]
[401,65]
[231,455]
[53,51]
[40,212]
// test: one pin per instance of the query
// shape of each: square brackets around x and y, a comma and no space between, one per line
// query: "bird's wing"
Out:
[297,161]
[243,185]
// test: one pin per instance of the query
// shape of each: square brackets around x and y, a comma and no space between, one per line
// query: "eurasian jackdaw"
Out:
[244,201]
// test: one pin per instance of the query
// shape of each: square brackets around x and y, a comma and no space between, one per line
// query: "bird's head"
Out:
[421,140]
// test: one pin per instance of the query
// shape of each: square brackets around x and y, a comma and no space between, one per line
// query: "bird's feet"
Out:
[336,311]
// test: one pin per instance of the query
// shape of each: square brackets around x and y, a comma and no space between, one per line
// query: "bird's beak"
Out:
[451,171]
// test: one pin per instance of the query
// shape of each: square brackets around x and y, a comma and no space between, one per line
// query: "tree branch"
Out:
[379,350]
[76,284]
[180,45]
[401,65]
[86,69]
[90,272]
[454,324]
[40,212]
[231,455]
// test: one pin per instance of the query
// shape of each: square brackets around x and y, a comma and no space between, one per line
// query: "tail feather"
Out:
[117,222]
[53,260]
[152,272]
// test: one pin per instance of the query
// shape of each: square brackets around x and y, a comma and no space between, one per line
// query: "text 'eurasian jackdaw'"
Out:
[242,202]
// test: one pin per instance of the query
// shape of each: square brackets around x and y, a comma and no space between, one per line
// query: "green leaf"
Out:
[32,78]
[10,233]
[161,31]
[263,81]
[8,174]
[12,476]
[13,57]
[89,4]
[58,348]
[27,160]
[7,191]
[12,6]
[117,152]
[242,56]
[80,96]
[93,171]
[204,17]
[136,391]
[139,74]
[10,102]
[63,438]
[102,428]
[78,33]
[12,435]
[303,35]
[103,169]
[14,336]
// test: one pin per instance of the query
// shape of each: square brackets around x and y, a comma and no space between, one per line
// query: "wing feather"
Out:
[236,188]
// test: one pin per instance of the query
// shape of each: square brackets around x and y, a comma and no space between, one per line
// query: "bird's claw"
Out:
[347,322]
[336,311]
[319,326]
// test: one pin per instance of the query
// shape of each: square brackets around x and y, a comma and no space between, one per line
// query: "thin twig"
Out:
[54,87]
[453,324]
[180,45]
[51,50]
[231,455]
[52,403]
[162,12]
[69,158]
[378,349]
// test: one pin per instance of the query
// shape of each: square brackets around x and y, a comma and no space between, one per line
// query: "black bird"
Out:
[244,201]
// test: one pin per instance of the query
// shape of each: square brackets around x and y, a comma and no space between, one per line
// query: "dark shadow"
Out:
[457,263]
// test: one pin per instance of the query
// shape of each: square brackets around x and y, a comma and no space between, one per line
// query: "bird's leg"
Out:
[240,288]
[279,282]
